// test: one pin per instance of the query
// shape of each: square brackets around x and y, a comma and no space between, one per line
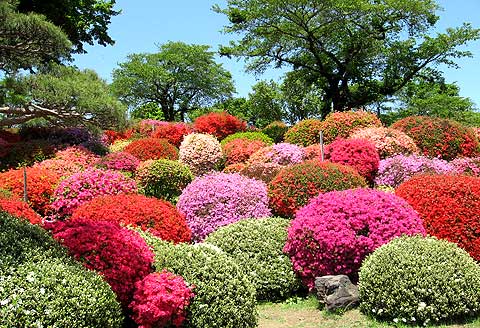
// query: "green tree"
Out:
[359,50]
[178,78]
[264,104]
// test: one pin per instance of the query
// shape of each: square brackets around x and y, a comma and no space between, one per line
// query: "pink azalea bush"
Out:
[120,161]
[281,154]
[467,166]
[82,187]
[202,153]
[160,300]
[218,199]
[335,232]
[69,161]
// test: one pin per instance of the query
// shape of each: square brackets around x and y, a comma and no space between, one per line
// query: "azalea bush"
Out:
[147,126]
[119,161]
[173,132]
[20,209]
[342,124]
[240,150]
[152,148]
[304,133]
[202,153]
[119,145]
[281,154]
[69,161]
[219,124]
[334,233]
[249,135]
[467,166]
[261,171]
[218,199]
[110,136]
[276,131]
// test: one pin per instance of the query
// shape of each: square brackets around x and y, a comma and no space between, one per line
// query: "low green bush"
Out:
[248,135]
[276,130]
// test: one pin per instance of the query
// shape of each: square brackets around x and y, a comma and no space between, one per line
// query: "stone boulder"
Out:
[336,292]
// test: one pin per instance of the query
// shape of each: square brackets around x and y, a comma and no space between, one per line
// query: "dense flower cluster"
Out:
[438,137]
[294,186]
[341,124]
[119,161]
[173,132]
[337,230]
[202,153]
[387,141]
[314,152]
[261,171]
[276,130]
[120,255]
[240,150]
[219,124]
[19,209]
[219,199]
[119,145]
[281,154]
[152,148]
[360,154]
[150,214]
[392,171]
[449,207]
[304,133]
[110,136]
[147,126]
[160,300]
[82,187]
[467,166]
[69,161]
[249,135]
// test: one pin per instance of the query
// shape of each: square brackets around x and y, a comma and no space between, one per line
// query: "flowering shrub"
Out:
[394,170]
[119,161]
[202,153]
[82,187]
[420,281]
[152,148]
[120,255]
[163,178]
[337,230]
[119,145]
[26,153]
[314,152]
[261,171]
[157,216]
[341,124]
[467,166]
[276,130]
[160,300]
[282,154]
[110,136]
[304,133]
[240,150]
[69,161]
[294,186]
[19,209]
[360,154]
[219,124]
[438,137]
[218,199]
[234,168]
[147,126]
[449,207]
[387,141]
[250,135]
[173,132]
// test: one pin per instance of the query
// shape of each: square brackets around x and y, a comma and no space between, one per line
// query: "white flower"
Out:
[4,302]
[395,320]
[421,306]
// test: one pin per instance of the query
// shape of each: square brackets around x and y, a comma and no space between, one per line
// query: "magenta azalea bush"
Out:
[392,171]
[467,166]
[336,231]
[202,153]
[281,154]
[83,186]
[218,199]
[119,161]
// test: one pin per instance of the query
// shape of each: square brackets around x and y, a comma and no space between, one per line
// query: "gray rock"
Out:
[336,292]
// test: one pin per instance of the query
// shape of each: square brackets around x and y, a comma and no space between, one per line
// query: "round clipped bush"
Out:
[240,150]
[257,246]
[438,137]
[282,154]
[276,130]
[19,209]
[294,186]
[69,161]
[173,132]
[234,168]
[219,124]
[449,207]
[163,178]
[392,171]
[250,135]
[420,281]
[119,145]
[337,230]
[304,133]
[119,161]
[387,141]
[360,154]
[160,300]
[261,171]
[82,187]
[224,295]
[157,216]
[152,148]
[341,124]
[218,199]
[202,153]
[467,166]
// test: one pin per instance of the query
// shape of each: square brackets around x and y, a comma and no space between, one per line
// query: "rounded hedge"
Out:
[240,150]
[420,281]
[152,148]
[173,132]
[119,161]
[19,209]
[282,154]
[276,131]
[219,124]
[202,153]
[257,246]
[467,166]
[249,135]
[341,124]
[294,186]
[304,133]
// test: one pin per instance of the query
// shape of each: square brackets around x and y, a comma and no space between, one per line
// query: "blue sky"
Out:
[143,24]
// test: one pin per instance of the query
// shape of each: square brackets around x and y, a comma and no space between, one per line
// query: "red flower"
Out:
[152,148]
[219,124]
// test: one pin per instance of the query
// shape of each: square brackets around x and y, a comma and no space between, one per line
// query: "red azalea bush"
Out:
[294,186]
[358,153]
[304,133]
[120,255]
[219,124]
[335,232]
[110,136]
[152,148]
[449,206]
[240,150]
[150,214]
[160,300]
[173,132]
[19,209]
[341,124]
[438,137]
[41,184]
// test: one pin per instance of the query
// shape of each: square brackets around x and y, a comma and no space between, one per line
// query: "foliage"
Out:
[20,209]
[342,124]
[119,145]
[173,132]
[294,186]
[120,161]
[276,131]
[26,153]
[219,124]
[250,135]
[240,150]
[304,133]
[257,246]
[264,104]
[218,199]
[281,154]
[202,153]
[337,230]
[403,282]
[152,148]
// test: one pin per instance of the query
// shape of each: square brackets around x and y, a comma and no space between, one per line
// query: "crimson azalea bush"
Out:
[360,154]
[240,150]
[83,186]
[341,124]
[120,255]
[19,209]
[281,154]
[449,206]
[150,214]
[202,153]
[160,300]
[276,130]
[438,137]
[335,232]
[218,199]
[119,161]
[304,133]
[173,132]
[110,136]
[219,124]
[152,148]
[294,186]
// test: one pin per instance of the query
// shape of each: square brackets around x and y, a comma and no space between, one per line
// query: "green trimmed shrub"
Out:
[418,280]
[257,246]
[276,130]
[251,135]
[304,133]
